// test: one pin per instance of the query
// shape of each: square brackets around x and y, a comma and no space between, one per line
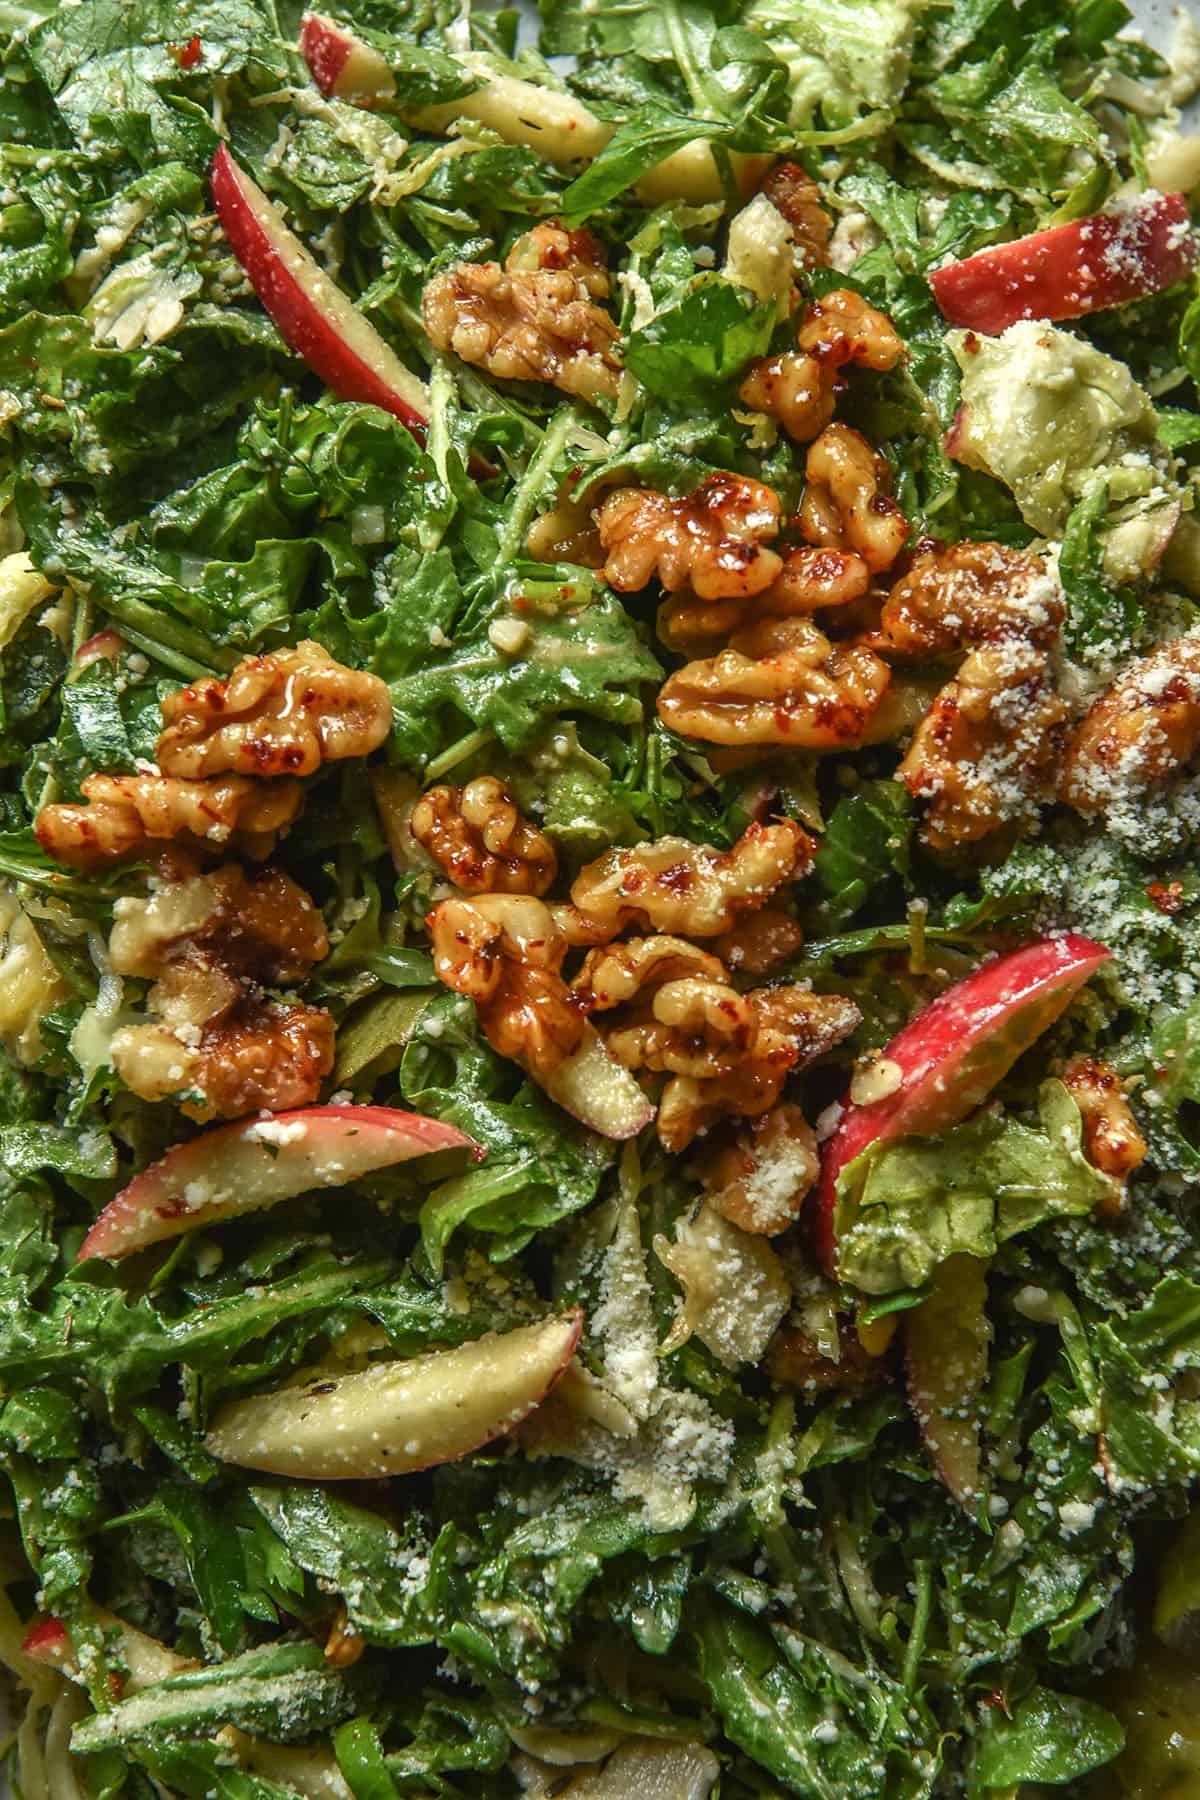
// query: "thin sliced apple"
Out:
[147,1660]
[257,1163]
[1071,270]
[598,1091]
[397,1417]
[950,1057]
[946,1342]
[313,314]
[341,64]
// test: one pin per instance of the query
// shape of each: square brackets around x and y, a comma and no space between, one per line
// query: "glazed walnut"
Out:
[969,594]
[810,581]
[796,195]
[506,953]
[677,886]
[210,943]
[537,325]
[480,839]
[131,815]
[780,682]
[796,1360]
[1111,1138]
[846,505]
[1143,728]
[712,540]
[800,387]
[280,714]
[759,942]
[986,752]
[759,1181]
[550,246]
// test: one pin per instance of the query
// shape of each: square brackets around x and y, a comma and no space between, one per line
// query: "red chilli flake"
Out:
[187,55]
[1166,895]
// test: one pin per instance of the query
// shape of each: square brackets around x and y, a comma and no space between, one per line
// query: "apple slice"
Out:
[599,1091]
[147,1660]
[341,64]
[1072,269]
[397,1417]
[946,1342]
[256,1163]
[313,314]
[950,1057]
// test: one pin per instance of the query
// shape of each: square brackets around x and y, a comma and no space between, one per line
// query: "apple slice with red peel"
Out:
[599,1091]
[950,1057]
[147,1660]
[313,314]
[946,1342]
[341,64]
[1071,270]
[256,1163]
[394,1418]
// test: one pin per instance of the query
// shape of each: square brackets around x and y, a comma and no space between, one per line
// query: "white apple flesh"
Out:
[395,1418]
[257,1163]
[312,313]
[599,1091]
[341,64]
[946,1342]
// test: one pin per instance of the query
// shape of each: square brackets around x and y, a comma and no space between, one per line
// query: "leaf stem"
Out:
[528,491]
[922,1607]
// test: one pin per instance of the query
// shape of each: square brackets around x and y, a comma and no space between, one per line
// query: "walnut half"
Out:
[674,885]
[130,815]
[711,540]
[523,324]
[481,840]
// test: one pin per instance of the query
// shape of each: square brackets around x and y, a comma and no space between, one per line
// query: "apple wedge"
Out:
[256,1163]
[950,1057]
[599,1091]
[394,1418]
[341,64]
[313,314]
[1071,270]
[946,1342]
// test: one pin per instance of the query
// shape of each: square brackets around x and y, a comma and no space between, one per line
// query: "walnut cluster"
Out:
[713,541]
[691,889]
[847,504]
[481,840]
[1143,728]
[133,815]
[506,952]
[212,945]
[800,387]
[535,319]
[795,194]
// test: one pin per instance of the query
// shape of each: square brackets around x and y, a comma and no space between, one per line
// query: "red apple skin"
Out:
[239,1168]
[1071,270]
[312,313]
[48,1642]
[106,645]
[954,1052]
[341,64]
[946,1342]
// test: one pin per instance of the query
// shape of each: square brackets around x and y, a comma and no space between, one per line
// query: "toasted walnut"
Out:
[550,246]
[677,886]
[1144,727]
[759,1181]
[1111,1138]
[792,1028]
[535,326]
[986,752]
[841,328]
[952,599]
[796,195]
[129,815]
[810,581]
[760,942]
[780,682]
[712,540]
[280,714]
[693,1026]
[619,973]
[209,942]
[343,1646]
[797,390]
[800,387]
[795,1360]
[479,837]
[846,505]
[506,953]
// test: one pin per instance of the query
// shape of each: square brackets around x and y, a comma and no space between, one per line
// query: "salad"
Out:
[599,924]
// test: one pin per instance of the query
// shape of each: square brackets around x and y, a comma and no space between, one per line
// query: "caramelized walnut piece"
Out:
[846,505]
[677,886]
[986,753]
[131,815]
[539,325]
[759,1181]
[617,974]
[795,1360]
[478,836]
[550,246]
[210,942]
[343,1646]
[842,328]
[759,942]
[800,387]
[810,580]
[1143,728]
[796,195]
[506,952]
[567,533]
[795,389]
[1111,1138]
[280,714]
[712,540]
[955,598]
[780,682]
